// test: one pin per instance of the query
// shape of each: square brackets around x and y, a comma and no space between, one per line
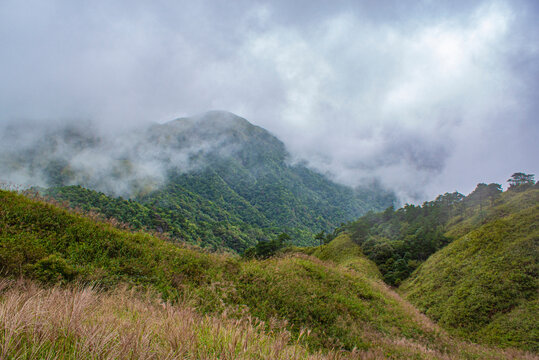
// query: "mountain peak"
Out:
[218,128]
[210,123]
[219,115]
[215,119]
[222,120]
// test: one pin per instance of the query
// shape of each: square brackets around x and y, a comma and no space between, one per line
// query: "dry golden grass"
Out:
[82,323]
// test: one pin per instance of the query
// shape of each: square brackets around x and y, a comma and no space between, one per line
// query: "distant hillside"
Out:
[329,300]
[399,240]
[215,179]
[484,284]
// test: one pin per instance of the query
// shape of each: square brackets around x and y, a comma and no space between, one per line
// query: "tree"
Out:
[520,180]
[283,239]
[493,191]
[266,249]
[321,236]
[478,195]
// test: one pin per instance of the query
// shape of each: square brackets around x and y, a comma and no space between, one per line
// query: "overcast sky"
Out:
[429,96]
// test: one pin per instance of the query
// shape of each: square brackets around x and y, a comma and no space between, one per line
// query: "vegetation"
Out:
[484,285]
[216,181]
[398,241]
[521,181]
[192,219]
[84,323]
[330,300]
[266,249]
[469,262]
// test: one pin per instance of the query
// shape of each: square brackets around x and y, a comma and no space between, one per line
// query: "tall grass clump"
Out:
[83,323]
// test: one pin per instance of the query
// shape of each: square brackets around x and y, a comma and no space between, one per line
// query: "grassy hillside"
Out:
[398,241]
[333,301]
[343,251]
[484,284]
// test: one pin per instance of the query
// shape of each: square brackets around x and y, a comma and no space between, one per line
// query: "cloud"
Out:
[79,153]
[428,97]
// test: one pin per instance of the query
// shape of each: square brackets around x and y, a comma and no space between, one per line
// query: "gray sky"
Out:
[429,96]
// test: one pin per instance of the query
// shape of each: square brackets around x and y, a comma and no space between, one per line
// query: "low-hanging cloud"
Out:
[427,97]
[139,161]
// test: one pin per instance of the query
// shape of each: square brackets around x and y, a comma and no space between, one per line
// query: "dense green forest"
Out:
[331,298]
[191,219]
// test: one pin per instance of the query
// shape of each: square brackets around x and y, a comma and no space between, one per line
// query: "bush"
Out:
[266,249]
[52,269]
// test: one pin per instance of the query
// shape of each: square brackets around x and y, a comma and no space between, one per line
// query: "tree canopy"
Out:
[520,180]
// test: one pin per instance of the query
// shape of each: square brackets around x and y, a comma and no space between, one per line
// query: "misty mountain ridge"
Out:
[216,136]
[213,176]
[139,160]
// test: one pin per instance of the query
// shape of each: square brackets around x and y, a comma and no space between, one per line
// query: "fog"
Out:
[135,162]
[427,97]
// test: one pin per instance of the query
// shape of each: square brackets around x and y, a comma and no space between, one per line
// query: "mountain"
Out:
[307,303]
[214,179]
[484,284]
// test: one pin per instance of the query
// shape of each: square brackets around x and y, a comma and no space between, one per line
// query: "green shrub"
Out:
[51,269]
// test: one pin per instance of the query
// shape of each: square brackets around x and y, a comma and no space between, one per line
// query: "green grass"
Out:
[43,242]
[484,284]
[344,251]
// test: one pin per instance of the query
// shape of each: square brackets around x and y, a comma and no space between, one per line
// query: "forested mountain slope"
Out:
[183,216]
[215,179]
[329,300]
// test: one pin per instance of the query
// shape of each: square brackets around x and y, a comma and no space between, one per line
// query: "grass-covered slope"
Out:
[335,303]
[343,251]
[50,244]
[484,285]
